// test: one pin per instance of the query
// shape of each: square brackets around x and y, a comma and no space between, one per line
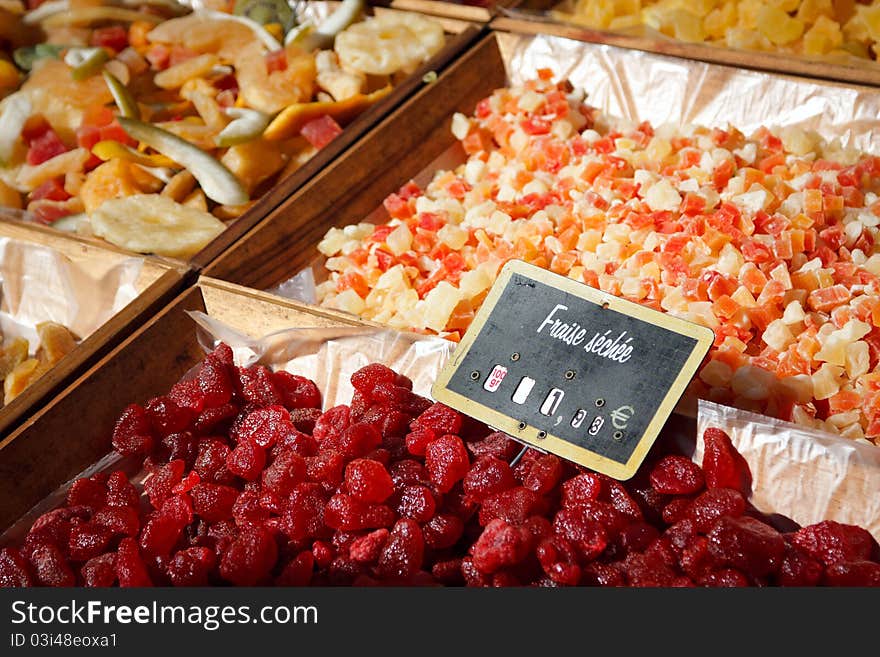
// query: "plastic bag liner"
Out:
[328,356]
[801,473]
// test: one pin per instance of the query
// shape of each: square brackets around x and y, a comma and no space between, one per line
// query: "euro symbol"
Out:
[622,415]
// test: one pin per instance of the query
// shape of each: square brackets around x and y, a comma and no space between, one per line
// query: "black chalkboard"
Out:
[572,370]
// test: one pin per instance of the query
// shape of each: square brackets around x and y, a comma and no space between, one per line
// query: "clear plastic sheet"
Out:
[39,284]
[806,475]
[328,356]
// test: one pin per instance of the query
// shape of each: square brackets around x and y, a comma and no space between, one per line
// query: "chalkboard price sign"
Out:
[572,370]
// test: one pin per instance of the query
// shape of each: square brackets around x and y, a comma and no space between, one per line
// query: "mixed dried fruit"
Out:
[18,370]
[154,127]
[834,29]
[250,483]
[770,240]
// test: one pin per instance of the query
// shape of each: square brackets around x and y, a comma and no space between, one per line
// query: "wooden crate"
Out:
[73,431]
[530,17]
[159,280]
[476,12]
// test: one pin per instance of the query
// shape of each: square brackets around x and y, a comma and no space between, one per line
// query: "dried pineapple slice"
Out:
[150,223]
[389,43]
[21,377]
[12,353]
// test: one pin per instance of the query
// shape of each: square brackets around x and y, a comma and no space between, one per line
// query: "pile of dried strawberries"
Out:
[250,483]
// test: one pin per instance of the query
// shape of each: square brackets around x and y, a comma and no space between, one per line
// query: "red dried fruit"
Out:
[296,391]
[332,423]
[677,509]
[132,433]
[440,419]
[487,476]
[298,571]
[179,508]
[183,445]
[368,481]
[369,376]
[500,545]
[247,461]
[416,502]
[366,549]
[448,572]
[582,488]
[723,466]
[604,574]
[167,416]
[263,426]
[831,542]
[725,578]
[159,536]
[345,513]
[798,568]
[853,573]
[643,570]
[191,567]
[588,536]
[677,475]
[417,441]
[286,471]
[14,569]
[621,500]
[188,394]
[543,474]
[87,540]
[215,420]
[213,502]
[298,443]
[99,571]
[247,509]
[326,468]
[447,462]
[51,567]
[637,536]
[559,559]
[497,444]
[214,382]
[695,559]
[119,520]
[404,552]
[714,503]
[443,531]
[358,440]
[472,576]
[323,553]
[406,472]
[121,492]
[90,492]
[304,419]
[160,483]
[514,506]
[210,464]
[249,558]
[746,544]
[257,385]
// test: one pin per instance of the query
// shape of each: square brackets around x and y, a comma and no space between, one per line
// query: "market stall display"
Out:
[155,128]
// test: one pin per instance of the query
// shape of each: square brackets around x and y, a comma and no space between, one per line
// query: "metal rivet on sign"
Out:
[522,425]
[514,356]
[569,375]
[542,435]
[475,375]
[600,403]
[617,435]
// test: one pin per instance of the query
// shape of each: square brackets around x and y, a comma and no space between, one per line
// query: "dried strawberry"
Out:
[348,514]
[210,464]
[191,567]
[216,419]
[713,504]
[406,472]
[286,471]
[831,542]
[582,488]
[88,540]
[644,570]
[676,475]
[159,536]
[798,568]
[358,440]
[559,560]
[448,572]
[416,502]
[369,376]
[746,544]
[304,419]
[247,461]
[726,578]
[14,569]
[514,506]
[249,558]
[543,474]
[677,509]
[587,535]
[446,460]
[853,573]
[332,423]
[121,492]
[263,427]
[604,574]
[326,468]
[440,419]
[404,552]
[501,544]
[51,567]
[298,571]
[443,531]
[214,384]
[90,492]
[160,483]
[296,391]
[99,571]
[723,465]
[183,445]
[167,417]
[417,441]
[488,476]
[297,442]
[132,434]
[497,444]
[367,548]
[213,502]
[637,536]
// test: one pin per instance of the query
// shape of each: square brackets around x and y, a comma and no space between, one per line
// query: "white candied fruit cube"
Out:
[868,218]
[473,282]
[534,187]
[716,374]
[439,304]
[425,204]
[562,129]
[348,301]
[498,222]
[780,273]
[689,185]
[474,171]
[853,231]
[453,236]
[663,196]
[529,101]
[399,240]
[841,420]
[496,161]
[461,125]
[518,139]
[858,359]
[798,388]
[338,263]
[748,152]
[589,240]
[332,242]
[793,313]
[799,141]
[645,178]
[777,335]
[506,192]
[872,264]
[752,201]
[827,380]
[589,135]
[752,382]
[730,260]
